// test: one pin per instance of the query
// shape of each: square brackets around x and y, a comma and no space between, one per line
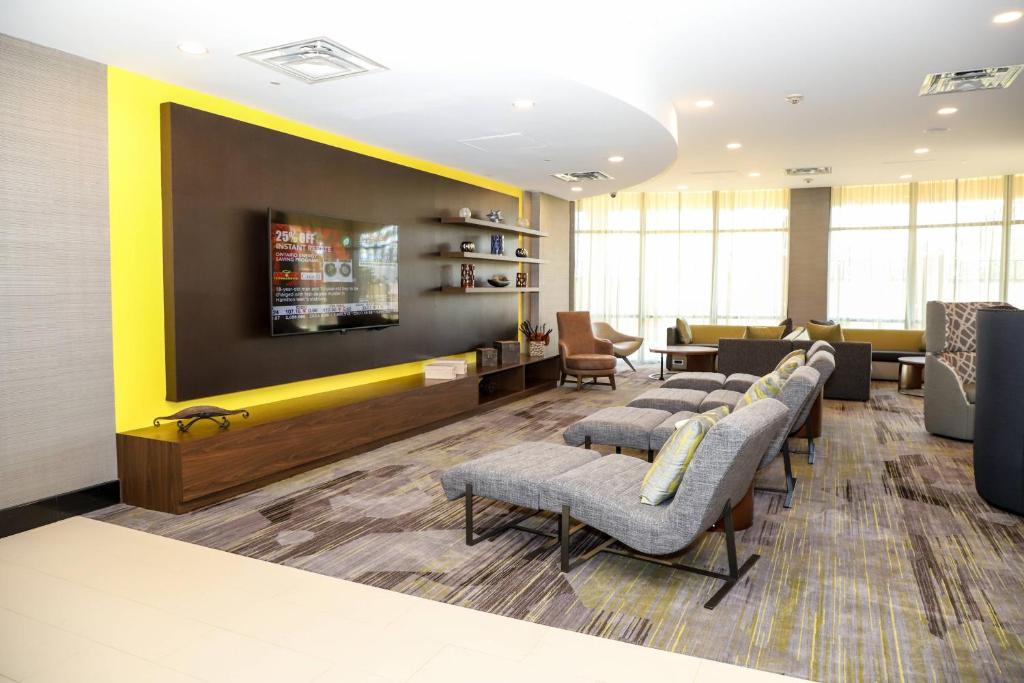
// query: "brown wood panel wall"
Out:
[220,176]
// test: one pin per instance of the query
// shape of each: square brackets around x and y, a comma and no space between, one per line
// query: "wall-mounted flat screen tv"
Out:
[331,274]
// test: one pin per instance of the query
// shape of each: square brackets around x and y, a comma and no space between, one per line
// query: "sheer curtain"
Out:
[645,259]
[752,256]
[893,248]
[1015,260]
[959,240]
[868,252]
[607,275]
[678,260]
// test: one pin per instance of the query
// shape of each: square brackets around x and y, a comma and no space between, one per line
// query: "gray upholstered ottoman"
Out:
[671,400]
[513,476]
[619,426]
[740,381]
[700,381]
[660,434]
[719,398]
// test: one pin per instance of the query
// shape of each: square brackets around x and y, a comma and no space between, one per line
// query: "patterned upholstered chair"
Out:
[583,354]
[950,340]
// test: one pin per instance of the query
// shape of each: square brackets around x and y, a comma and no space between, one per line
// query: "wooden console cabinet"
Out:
[162,469]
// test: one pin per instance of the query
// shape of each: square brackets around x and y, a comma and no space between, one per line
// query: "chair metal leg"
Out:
[561,380]
[515,523]
[810,450]
[650,455]
[586,442]
[736,571]
[618,449]
[628,363]
[790,479]
[563,534]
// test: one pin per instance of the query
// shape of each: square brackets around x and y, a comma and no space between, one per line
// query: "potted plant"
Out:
[538,337]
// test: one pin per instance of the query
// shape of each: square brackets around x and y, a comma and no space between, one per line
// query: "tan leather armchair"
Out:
[623,345]
[583,354]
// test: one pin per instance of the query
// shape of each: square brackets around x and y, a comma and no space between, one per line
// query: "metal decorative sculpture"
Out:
[495,216]
[189,416]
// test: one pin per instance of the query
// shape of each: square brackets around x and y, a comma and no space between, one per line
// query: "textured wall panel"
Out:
[57,412]
[809,216]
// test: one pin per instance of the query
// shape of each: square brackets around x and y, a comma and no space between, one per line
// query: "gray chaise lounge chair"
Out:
[605,494]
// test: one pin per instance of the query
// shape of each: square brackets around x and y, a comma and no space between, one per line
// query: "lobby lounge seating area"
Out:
[413,343]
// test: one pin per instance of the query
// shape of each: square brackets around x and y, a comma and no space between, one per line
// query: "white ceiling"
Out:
[607,77]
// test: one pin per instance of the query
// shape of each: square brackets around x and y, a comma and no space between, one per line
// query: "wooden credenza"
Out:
[163,469]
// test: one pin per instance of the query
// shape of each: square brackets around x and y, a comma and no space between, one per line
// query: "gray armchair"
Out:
[623,345]
[950,341]
[604,494]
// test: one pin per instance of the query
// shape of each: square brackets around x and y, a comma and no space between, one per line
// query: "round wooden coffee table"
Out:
[914,374]
[698,358]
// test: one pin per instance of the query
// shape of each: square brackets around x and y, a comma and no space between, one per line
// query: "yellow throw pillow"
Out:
[790,362]
[683,331]
[663,477]
[764,332]
[829,333]
[768,386]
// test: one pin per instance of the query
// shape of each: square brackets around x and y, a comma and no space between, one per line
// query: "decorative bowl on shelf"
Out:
[498,281]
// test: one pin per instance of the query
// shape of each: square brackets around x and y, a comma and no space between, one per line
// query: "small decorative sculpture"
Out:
[464,212]
[468,275]
[495,216]
[467,247]
[497,244]
[194,414]
[523,222]
[522,253]
[522,279]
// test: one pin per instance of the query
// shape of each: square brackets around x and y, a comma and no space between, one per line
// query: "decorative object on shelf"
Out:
[464,212]
[468,275]
[497,244]
[467,247]
[189,416]
[486,357]
[498,281]
[521,279]
[538,337]
[495,216]
[522,253]
[508,350]
[523,222]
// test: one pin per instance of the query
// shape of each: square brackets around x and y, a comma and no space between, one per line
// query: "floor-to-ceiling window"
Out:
[894,247]
[645,259]
[1015,258]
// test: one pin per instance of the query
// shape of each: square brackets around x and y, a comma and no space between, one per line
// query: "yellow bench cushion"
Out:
[710,334]
[887,340]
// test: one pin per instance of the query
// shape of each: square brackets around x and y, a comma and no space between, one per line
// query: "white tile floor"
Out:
[84,601]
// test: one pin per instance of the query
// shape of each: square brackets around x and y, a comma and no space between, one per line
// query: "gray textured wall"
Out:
[57,411]
[552,215]
[809,216]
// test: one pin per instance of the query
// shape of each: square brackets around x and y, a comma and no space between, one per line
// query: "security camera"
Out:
[613,195]
[794,98]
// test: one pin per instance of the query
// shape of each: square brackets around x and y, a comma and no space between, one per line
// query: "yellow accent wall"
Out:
[136,244]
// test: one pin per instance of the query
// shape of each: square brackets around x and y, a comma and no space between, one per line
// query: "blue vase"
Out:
[497,244]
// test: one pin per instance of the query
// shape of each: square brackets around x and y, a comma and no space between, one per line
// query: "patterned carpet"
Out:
[888,567]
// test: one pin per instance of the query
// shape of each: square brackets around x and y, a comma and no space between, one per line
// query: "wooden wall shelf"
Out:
[489,290]
[163,469]
[489,225]
[487,257]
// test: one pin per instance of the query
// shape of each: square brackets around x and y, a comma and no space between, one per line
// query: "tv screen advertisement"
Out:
[331,274]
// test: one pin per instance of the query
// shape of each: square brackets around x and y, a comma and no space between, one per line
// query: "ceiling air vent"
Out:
[314,61]
[809,170]
[580,176]
[992,78]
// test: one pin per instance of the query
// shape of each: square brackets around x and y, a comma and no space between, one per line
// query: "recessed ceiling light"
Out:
[906,176]
[1007,17]
[192,48]
[704,104]
[522,105]
[754,174]
[936,130]
[682,187]
[921,150]
[733,145]
[616,159]
[275,82]
[946,111]
[577,189]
